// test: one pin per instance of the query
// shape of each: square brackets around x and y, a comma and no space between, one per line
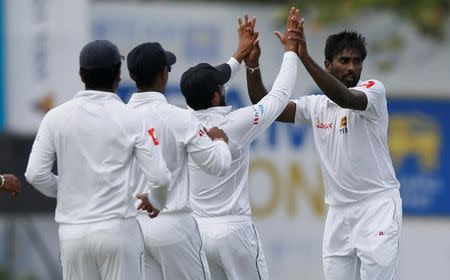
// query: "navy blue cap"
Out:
[100,54]
[149,58]
[202,80]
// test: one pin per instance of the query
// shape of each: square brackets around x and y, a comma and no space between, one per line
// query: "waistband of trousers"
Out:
[174,214]
[392,193]
[224,219]
[71,231]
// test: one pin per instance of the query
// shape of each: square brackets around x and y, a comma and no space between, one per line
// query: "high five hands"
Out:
[247,37]
[252,59]
[291,37]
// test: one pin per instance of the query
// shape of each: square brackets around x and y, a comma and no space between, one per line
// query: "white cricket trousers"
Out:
[173,247]
[361,240]
[106,250]
[233,248]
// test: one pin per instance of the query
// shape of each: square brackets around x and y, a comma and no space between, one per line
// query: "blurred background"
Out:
[408,50]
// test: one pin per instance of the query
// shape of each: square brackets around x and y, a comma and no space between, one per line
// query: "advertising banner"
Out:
[419,143]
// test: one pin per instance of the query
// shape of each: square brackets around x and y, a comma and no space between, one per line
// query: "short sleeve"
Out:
[376,99]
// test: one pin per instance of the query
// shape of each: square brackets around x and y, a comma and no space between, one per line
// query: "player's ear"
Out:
[81,75]
[164,78]
[132,76]
[118,79]
[327,64]
[166,74]
[216,99]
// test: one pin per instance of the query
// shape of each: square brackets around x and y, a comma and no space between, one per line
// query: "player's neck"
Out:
[152,88]
[101,89]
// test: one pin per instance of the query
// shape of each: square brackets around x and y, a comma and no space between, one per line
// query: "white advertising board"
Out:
[43,40]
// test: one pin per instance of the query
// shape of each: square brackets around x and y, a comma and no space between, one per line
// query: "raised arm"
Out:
[246,39]
[255,84]
[249,122]
[330,86]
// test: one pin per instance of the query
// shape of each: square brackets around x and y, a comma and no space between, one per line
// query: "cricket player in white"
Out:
[94,138]
[173,245]
[350,123]
[221,204]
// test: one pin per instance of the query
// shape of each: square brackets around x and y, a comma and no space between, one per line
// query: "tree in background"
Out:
[428,16]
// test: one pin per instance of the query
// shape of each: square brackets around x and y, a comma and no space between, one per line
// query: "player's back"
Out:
[170,126]
[226,195]
[92,135]
[229,195]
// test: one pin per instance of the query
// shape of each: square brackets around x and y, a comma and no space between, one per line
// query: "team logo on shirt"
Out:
[343,125]
[151,132]
[368,84]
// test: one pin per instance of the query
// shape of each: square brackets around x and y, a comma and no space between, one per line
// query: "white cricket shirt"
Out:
[94,138]
[179,133]
[351,144]
[213,196]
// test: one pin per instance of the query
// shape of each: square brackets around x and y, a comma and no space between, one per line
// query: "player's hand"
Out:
[302,51]
[290,38]
[11,185]
[252,59]
[247,37]
[217,133]
[146,205]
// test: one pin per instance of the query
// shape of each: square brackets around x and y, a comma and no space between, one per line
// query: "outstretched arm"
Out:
[246,39]
[251,121]
[255,85]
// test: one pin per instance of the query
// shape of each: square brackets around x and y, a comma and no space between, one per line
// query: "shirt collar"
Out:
[97,94]
[220,110]
[147,96]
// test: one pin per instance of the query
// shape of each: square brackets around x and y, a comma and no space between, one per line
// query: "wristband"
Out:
[2,178]
[252,69]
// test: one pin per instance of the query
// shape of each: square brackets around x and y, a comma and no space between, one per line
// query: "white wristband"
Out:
[252,69]
[2,178]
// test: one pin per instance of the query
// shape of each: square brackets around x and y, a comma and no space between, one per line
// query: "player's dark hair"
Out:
[100,77]
[339,42]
